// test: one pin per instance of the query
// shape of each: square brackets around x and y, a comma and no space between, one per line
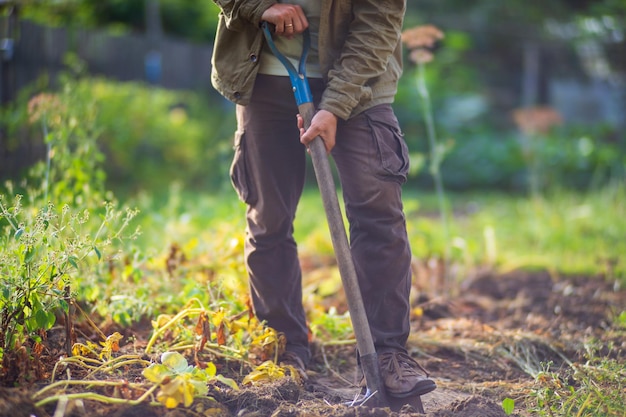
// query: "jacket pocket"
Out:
[392,150]
[239,172]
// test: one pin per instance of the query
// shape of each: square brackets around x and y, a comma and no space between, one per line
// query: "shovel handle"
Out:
[358,316]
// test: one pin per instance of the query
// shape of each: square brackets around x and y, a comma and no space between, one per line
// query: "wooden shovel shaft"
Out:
[365,343]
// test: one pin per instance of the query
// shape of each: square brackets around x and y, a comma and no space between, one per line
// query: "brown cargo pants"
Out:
[268,173]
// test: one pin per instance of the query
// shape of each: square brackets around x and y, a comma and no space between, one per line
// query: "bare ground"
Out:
[487,341]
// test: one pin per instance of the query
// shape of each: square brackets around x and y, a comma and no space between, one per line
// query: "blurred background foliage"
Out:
[152,136]
[188,19]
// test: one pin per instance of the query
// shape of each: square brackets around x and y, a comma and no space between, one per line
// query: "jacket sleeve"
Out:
[372,38]
[238,13]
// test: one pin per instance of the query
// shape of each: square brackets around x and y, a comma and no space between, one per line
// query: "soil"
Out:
[482,340]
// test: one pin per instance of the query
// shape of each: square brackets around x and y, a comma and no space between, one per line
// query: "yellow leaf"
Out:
[156,373]
[267,371]
[169,402]
[218,317]
[188,393]
[161,321]
[110,345]
[211,369]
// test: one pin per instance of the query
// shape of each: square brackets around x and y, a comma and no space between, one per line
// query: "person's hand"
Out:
[288,19]
[324,125]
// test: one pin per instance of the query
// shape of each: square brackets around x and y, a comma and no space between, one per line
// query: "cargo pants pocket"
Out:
[390,146]
[240,172]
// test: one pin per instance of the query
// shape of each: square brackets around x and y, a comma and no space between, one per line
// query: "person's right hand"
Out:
[289,19]
[323,124]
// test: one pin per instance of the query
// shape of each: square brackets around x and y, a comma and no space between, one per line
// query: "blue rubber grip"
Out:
[299,82]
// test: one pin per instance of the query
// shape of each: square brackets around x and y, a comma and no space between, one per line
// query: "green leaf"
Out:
[98,254]
[31,324]
[72,260]
[176,362]
[44,319]
[508,405]
[18,233]
[228,381]
[29,255]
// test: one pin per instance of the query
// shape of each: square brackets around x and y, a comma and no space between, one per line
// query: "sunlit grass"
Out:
[566,232]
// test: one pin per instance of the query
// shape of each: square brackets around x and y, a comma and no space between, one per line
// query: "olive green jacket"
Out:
[359,50]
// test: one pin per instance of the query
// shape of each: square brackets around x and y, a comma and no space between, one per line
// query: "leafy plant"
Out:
[331,325]
[58,229]
[180,382]
[239,336]
[43,253]
[154,136]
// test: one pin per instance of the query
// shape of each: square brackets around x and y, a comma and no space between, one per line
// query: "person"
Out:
[353,69]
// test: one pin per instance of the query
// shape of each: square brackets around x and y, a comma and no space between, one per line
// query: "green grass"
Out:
[567,232]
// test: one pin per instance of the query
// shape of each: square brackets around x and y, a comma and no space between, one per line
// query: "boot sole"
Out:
[421,388]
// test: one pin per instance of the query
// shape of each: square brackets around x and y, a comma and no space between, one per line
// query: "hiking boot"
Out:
[292,359]
[403,376]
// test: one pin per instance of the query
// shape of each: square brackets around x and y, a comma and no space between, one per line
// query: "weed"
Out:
[594,388]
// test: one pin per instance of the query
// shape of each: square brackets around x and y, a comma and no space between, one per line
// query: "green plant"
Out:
[180,18]
[153,136]
[180,382]
[57,231]
[331,325]
[176,381]
[44,252]
[594,388]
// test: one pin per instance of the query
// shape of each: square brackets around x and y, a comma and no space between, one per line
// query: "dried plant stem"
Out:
[98,397]
[66,383]
[98,365]
[181,315]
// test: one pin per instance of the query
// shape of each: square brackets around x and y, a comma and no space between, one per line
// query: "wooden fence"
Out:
[183,65]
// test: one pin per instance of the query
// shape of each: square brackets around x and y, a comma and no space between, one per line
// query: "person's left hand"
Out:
[324,125]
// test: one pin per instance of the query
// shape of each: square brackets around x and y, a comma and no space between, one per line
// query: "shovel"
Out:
[375,395]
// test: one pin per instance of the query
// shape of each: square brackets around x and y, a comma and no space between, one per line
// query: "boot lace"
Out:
[401,364]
